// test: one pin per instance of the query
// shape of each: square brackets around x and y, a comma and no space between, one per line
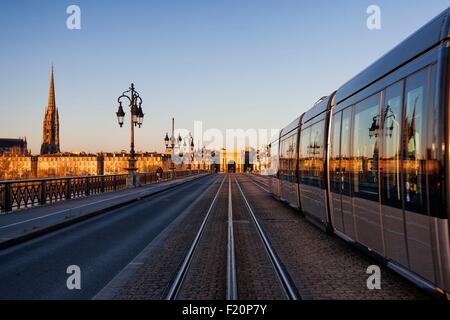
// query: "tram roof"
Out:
[430,35]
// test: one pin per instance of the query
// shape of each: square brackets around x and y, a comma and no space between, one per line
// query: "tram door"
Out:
[340,170]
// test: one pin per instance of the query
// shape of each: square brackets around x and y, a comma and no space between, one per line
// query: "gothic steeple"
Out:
[50,141]
[51,93]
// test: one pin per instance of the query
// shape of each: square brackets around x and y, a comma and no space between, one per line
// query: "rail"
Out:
[18,194]
[283,276]
[232,290]
[183,269]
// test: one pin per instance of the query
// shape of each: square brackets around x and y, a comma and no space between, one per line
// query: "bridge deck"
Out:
[219,236]
[319,266]
[26,223]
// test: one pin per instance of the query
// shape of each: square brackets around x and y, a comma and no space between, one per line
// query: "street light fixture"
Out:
[191,150]
[170,145]
[181,148]
[137,118]
[167,140]
[203,159]
[120,114]
[213,160]
[140,115]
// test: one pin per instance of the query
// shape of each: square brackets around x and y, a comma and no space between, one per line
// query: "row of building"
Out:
[20,167]
[17,162]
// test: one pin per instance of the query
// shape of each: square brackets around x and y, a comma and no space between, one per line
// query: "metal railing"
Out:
[18,194]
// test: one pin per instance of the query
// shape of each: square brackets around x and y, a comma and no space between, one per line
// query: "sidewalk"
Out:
[26,224]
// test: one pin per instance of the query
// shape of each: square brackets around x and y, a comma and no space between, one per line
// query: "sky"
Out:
[228,63]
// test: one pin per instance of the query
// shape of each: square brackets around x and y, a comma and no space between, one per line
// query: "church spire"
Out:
[50,141]
[51,93]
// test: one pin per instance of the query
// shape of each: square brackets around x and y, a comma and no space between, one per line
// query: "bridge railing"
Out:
[18,194]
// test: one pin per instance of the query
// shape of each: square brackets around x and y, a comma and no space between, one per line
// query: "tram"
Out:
[370,162]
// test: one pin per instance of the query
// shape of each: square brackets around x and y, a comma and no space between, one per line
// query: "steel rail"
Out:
[232,291]
[283,276]
[182,271]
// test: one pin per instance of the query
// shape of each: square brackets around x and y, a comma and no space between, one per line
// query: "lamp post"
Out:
[213,159]
[191,150]
[137,118]
[170,145]
[203,157]
[198,160]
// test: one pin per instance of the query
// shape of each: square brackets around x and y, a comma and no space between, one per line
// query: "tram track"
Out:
[260,185]
[232,289]
[231,235]
[284,279]
[181,274]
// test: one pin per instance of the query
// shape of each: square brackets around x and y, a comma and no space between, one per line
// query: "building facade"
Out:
[50,139]
[246,160]
[14,147]
[16,167]
[232,160]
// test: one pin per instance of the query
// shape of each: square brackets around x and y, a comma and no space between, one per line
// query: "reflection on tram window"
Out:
[390,151]
[345,151]
[414,155]
[283,160]
[293,158]
[311,160]
[335,157]
[316,151]
[288,159]
[274,160]
[436,154]
[365,148]
[304,156]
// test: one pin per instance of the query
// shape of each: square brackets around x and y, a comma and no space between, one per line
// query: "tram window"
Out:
[316,151]
[414,154]
[345,151]
[293,157]
[288,159]
[335,157]
[304,156]
[274,158]
[365,148]
[282,163]
[435,158]
[390,155]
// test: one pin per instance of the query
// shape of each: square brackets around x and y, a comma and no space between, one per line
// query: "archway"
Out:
[231,166]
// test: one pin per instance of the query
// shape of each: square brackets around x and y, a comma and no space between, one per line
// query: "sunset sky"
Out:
[229,63]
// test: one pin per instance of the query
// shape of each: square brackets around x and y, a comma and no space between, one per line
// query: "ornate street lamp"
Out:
[120,114]
[181,148]
[167,140]
[170,145]
[140,115]
[213,159]
[203,155]
[137,118]
[191,150]
[373,130]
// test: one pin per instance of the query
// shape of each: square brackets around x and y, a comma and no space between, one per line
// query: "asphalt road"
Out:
[101,247]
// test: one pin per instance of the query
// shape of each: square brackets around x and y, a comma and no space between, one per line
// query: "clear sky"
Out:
[230,63]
